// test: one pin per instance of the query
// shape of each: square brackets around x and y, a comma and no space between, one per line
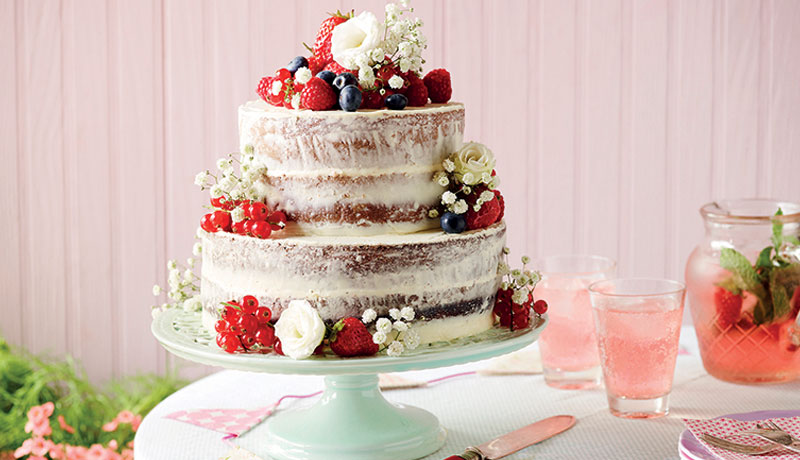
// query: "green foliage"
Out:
[27,381]
[772,280]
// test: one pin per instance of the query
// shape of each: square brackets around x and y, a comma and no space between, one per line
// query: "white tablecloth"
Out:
[503,403]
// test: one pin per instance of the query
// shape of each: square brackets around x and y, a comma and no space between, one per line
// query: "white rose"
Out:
[471,161]
[357,36]
[300,329]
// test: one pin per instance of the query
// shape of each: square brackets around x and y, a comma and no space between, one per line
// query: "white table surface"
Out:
[474,409]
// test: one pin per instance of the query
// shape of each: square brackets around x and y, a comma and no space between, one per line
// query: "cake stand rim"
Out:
[163,330]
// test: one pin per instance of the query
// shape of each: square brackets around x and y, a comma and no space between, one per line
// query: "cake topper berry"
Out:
[384,58]
[514,300]
[470,200]
[237,201]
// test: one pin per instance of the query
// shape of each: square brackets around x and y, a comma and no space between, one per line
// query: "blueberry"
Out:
[399,102]
[327,76]
[451,222]
[344,79]
[296,63]
[350,98]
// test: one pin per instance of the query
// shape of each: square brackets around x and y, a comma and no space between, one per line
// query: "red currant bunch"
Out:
[514,315]
[258,220]
[245,326]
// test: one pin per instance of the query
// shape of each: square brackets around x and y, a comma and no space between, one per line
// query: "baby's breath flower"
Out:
[216,191]
[201,178]
[302,75]
[476,207]
[400,326]
[188,276]
[296,101]
[411,339]
[192,304]
[379,337]
[225,165]
[526,259]
[448,197]
[519,296]
[197,249]
[486,195]
[383,325]
[433,213]
[502,268]
[248,149]
[516,272]
[395,348]
[172,264]
[486,178]
[396,82]
[237,215]
[506,250]
[394,313]
[199,233]
[190,261]
[157,290]
[368,316]
[460,207]
[504,285]
[228,183]
[466,189]
[407,313]
[448,165]
[468,178]
[276,87]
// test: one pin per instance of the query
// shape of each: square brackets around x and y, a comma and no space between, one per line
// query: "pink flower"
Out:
[63,424]
[125,416]
[39,420]
[36,457]
[40,427]
[113,444]
[98,452]
[57,452]
[111,426]
[76,453]
[127,454]
[34,446]
[136,422]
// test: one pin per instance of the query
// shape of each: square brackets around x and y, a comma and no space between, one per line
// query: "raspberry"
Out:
[411,77]
[502,202]
[417,94]
[438,83]
[371,100]
[317,95]
[265,88]
[485,217]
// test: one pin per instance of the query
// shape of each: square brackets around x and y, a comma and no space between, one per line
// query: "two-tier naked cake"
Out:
[355,218]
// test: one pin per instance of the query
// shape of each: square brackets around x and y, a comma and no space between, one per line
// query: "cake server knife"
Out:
[518,439]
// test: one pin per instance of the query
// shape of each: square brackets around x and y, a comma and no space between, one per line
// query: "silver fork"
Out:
[738,448]
[775,435]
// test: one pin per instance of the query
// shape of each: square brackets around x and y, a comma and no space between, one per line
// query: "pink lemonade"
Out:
[639,346]
[733,348]
[568,342]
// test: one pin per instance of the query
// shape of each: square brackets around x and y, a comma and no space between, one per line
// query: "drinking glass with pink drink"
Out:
[568,344]
[638,325]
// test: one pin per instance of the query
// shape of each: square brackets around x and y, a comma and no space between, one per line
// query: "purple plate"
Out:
[692,449]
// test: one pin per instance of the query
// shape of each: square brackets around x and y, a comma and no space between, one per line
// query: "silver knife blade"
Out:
[526,436]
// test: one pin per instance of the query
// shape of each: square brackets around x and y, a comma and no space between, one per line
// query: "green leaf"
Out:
[777,230]
[743,274]
[792,240]
[783,282]
[780,299]
[765,258]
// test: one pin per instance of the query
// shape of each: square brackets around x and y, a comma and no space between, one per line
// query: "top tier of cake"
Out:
[343,173]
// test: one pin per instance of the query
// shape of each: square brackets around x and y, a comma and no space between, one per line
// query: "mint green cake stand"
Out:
[351,420]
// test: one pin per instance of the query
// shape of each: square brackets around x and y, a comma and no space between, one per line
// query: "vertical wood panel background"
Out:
[612,122]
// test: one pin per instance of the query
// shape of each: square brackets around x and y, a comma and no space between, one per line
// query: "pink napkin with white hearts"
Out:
[727,428]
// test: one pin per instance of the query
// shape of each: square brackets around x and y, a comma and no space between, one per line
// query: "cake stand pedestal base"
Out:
[353,421]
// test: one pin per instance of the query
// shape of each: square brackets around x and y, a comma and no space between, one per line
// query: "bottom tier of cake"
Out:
[450,280]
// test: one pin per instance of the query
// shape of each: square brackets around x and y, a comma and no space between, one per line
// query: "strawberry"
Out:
[417,94]
[334,67]
[371,99]
[351,338]
[322,45]
[486,216]
[264,88]
[729,307]
[438,83]
[317,95]
[316,65]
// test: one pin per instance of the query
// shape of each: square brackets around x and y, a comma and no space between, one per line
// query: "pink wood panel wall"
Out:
[612,121]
